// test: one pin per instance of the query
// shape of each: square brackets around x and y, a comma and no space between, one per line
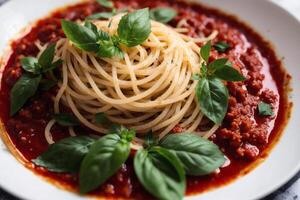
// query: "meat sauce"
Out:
[245,137]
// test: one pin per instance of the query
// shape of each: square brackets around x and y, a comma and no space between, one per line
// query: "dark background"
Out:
[287,192]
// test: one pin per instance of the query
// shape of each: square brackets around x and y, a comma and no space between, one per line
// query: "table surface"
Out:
[291,190]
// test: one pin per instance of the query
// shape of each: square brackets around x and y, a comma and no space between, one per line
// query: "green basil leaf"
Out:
[151,140]
[83,37]
[101,15]
[66,119]
[229,74]
[46,58]
[122,131]
[23,89]
[30,64]
[103,35]
[203,70]
[101,118]
[65,155]
[205,51]
[106,3]
[163,15]
[217,65]
[46,85]
[134,28]
[105,158]
[265,109]
[221,46]
[91,26]
[108,49]
[212,96]
[161,173]
[196,77]
[53,66]
[198,155]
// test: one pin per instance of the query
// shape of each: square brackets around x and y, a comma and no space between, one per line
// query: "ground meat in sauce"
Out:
[243,134]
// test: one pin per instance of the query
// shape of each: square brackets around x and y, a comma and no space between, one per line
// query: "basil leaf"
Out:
[217,64]
[103,35]
[205,51]
[229,74]
[101,118]
[105,158]
[163,15]
[46,85]
[92,27]
[161,173]
[134,28]
[46,58]
[30,64]
[198,155]
[221,46]
[83,37]
[108,49]
[65,155]
[106,3]
[101,15]
[65,119]
[151,140]
[23,89]
[212,96]
[265,109]
[53,66]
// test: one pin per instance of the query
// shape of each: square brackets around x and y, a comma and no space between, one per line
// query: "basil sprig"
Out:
[265,109]
[134,28]
[163,15]
[29,82]
[221,46]
[211,92]
[66,119]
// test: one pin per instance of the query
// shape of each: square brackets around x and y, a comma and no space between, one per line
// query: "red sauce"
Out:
[245,137]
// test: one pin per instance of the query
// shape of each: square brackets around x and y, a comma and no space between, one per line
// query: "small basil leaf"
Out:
[265,109]
[229,74]
[53,66]
[46,58]
[203,70]
[101,118]
[106,3]
[205,51]
[161,173]
[105,158]
[46,85]
[108,49]
[221,46]
[212,96]
[30,64]
[65,119]
[83,37]
[23,89]
[91,26]
[101,15]
[196,77]
[103,35]
[122,131]
[65,155]
[163,15]
[151,140]
[217,64]
[134,28]
[198,155]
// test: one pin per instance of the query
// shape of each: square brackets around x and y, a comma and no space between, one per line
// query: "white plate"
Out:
[273,22]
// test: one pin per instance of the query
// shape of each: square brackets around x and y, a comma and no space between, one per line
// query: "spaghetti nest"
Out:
[151,89]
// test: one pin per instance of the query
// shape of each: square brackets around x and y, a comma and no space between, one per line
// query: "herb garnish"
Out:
[28,83]
[163,15]
[101,118]
[106,3]
[161,166]
[134,28]
[66,119]
[221,46]
[211,92]
[265,109]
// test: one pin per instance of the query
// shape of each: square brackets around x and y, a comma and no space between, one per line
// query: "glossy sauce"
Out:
[245,138]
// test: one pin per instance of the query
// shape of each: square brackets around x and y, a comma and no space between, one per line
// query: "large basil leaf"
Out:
[212,96]
[217,64]
[161,173]
[163,15]
[105,158]
[65,155]
[83,37]
[228,73]
[198,155]
[23,89]
[134,28]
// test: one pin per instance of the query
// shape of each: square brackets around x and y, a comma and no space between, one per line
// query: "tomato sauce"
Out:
[245,137]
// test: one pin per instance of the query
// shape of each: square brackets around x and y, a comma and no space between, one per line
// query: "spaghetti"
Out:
[151,89]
